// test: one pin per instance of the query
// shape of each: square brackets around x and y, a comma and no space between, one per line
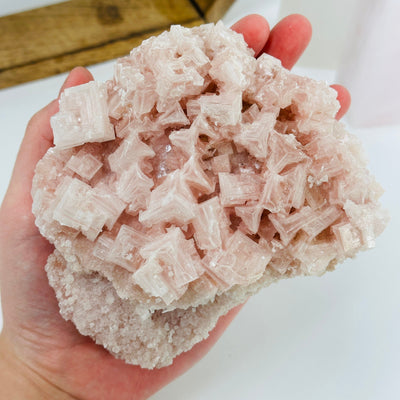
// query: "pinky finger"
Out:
[344,99]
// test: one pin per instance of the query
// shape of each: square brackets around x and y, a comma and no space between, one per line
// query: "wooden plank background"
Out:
[54,39]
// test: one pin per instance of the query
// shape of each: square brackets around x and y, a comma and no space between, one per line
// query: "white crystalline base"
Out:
[126,328]
[226,173]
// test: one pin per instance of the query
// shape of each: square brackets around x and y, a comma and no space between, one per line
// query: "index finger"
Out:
[255,31]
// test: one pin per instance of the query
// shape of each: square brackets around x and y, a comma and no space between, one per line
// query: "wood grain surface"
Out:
[50,40]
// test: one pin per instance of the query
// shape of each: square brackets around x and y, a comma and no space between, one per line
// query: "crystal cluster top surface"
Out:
[198,168]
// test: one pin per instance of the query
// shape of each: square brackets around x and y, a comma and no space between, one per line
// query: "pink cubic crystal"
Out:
[194,177]
[77,107]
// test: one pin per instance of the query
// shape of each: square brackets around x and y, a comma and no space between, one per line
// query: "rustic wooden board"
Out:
[213,10]
[54,39]
[62,63]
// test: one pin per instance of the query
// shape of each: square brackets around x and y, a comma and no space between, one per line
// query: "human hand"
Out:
[42,355]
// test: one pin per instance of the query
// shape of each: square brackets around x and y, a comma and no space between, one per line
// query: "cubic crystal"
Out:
[84,115]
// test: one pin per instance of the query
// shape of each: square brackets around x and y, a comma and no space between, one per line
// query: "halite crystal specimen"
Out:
[194,177]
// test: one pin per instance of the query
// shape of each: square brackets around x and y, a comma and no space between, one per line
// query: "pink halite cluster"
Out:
[195,176]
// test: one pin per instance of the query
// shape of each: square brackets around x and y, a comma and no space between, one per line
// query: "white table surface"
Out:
[334,337]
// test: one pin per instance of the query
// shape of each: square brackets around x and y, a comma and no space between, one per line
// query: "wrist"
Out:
[19,381]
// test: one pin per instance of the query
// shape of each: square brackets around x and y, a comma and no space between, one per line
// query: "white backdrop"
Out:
[334,337]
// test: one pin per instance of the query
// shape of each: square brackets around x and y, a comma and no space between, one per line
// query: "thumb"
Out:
[37,140]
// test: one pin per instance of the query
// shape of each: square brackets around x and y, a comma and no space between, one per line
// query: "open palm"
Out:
[36,340]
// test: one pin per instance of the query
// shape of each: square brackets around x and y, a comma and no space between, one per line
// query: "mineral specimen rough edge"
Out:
[151,341]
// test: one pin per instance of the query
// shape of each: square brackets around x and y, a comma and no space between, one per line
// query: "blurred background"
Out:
[334,337]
